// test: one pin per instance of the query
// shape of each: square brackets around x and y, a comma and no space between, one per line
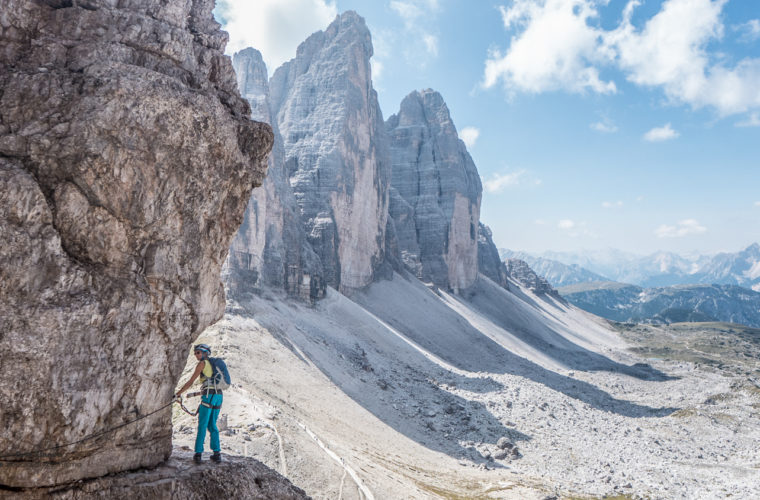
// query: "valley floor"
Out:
[405,392]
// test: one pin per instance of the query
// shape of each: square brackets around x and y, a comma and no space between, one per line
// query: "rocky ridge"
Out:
[674,304]
[126,160]
[554,271]
[520,271]
[659,269]
[347,198]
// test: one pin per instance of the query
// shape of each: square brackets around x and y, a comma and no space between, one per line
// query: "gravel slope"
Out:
[402,392]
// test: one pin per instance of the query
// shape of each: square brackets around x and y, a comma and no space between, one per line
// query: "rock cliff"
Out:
[270,249]
[126,162]
[489,262]
[348,197]
[435,195]
[520,271]
[336,150]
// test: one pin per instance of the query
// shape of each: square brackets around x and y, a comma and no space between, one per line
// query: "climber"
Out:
[211,403]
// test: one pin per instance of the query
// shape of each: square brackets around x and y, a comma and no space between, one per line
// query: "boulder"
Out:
[126,161]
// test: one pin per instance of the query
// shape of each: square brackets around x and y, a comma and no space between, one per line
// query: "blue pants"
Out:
[207,420]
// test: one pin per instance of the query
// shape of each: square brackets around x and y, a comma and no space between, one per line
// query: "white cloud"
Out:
[498,182]
[750,30]
[670,52]
[416,15]
[683,228]
[377,68]
[469,136]
[604,126]
[753,120]
[757,203]
[408,11]
[659,134]
[540,222]
[574,229]
[555,50]
[612,204]
[556,47]
[431,44]
[274,27]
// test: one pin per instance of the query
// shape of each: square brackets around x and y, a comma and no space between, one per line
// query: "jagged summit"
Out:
[423,105]
[253,82]
[436,191]
[335,147]
[350,28]
[370,196]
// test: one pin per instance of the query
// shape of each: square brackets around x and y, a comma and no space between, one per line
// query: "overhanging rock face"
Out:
[126,162]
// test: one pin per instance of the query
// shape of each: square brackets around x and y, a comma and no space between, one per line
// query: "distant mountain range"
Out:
[660,269]
[673,304]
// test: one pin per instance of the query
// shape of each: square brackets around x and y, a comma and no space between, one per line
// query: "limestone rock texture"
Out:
[180,479]
[435,193]
[127,159]
[489,262]
[520,271]
[270,249]
[336,150]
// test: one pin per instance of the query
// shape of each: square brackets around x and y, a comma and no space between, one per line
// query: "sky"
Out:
[594,124]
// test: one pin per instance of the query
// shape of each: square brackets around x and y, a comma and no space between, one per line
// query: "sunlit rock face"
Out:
[127,159]
[270,249]
[335,146]
[435,193]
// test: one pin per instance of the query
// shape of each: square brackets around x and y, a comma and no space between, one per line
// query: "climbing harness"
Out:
[182,405]
[202,403]
[86,438]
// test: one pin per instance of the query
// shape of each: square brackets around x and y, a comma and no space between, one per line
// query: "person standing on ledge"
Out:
[211,403]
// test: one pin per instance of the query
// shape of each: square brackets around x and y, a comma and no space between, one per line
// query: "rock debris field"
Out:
[491,394]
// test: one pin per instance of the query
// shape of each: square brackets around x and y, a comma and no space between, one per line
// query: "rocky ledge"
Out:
[178,478]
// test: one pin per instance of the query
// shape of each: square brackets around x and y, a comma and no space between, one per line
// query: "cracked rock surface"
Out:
[126,162]
[179,478]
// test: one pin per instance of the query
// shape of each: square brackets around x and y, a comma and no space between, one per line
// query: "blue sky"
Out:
[594,124]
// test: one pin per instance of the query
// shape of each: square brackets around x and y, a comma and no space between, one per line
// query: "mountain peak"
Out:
[424,107]
[348,28]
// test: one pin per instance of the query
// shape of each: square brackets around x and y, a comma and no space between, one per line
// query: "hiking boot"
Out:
[216,457]
[197,458]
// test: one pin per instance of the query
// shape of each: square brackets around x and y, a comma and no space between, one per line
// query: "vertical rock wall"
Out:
[270,248]
[489,262]
[126,162]
[435,193]
[336,149]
